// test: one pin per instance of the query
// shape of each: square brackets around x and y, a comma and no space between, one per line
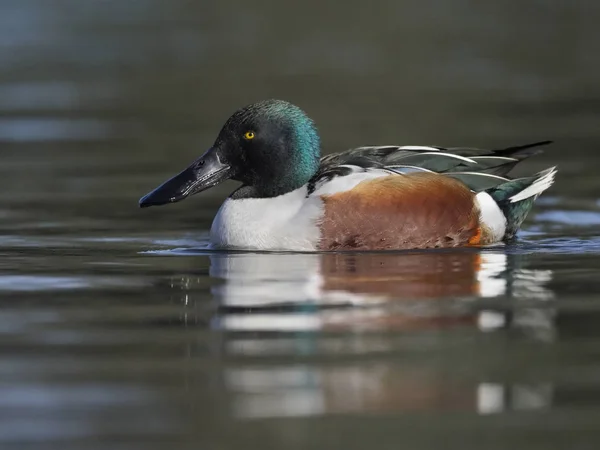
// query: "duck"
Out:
[384,197]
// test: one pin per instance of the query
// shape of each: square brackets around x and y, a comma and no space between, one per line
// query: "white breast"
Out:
[287,222]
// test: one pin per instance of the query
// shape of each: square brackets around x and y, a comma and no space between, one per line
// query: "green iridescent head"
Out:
[272,147]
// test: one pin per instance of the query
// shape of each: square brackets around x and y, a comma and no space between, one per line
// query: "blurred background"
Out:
[119,328]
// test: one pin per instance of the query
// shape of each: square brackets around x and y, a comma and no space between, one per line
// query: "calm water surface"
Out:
[119,328]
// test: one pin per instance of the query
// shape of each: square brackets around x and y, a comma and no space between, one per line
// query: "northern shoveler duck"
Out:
[369,198]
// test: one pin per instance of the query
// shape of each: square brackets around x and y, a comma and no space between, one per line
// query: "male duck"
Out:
[368,198]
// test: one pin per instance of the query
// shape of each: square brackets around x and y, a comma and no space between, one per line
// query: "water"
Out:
[120,329]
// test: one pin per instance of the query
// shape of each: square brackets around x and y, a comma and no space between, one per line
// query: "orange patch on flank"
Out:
[421,210]
[476,239]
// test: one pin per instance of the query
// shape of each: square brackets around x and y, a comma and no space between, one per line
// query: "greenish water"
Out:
[120,329]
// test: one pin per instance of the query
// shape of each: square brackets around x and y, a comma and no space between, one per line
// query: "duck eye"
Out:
[248,135]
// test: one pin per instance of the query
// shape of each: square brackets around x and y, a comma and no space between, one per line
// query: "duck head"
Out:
[272,147]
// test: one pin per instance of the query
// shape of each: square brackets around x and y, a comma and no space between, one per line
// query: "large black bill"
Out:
[206,172]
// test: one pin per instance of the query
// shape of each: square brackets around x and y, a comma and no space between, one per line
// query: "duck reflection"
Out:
[359,389]
[296,292]
[317,334]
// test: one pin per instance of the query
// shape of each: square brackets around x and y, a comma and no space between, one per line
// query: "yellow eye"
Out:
[248,135]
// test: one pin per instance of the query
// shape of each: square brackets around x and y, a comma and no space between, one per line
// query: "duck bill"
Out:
[204,173]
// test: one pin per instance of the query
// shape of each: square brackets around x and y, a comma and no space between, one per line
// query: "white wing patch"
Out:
[451,155]
[419,148]
[423,158]
[482,174]
[495,158]
[405,169]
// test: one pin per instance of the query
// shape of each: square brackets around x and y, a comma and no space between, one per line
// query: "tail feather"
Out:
[516,197]
[541,182]
[518,153]
[522,152]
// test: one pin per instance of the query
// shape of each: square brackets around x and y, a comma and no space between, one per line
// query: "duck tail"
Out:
[516,197]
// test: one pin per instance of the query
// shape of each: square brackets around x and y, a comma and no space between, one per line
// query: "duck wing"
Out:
[479,169]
